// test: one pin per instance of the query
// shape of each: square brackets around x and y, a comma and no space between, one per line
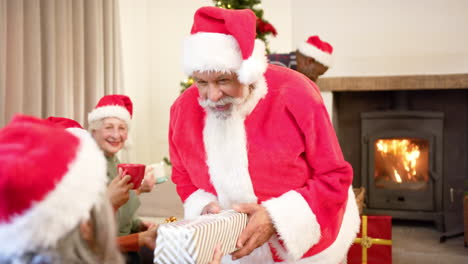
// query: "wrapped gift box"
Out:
[373,244]
[194,241]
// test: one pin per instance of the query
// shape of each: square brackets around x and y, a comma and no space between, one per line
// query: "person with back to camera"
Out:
[257,138]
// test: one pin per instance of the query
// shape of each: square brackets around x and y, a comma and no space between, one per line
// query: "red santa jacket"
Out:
[280,150]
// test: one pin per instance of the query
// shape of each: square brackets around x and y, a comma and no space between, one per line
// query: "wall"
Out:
[388,37]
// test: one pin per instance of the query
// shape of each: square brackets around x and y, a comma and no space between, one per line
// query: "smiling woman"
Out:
[109,123]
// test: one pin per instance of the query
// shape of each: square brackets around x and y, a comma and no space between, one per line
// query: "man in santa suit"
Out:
[257,138]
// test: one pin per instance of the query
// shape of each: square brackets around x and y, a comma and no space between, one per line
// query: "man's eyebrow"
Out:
[224,76]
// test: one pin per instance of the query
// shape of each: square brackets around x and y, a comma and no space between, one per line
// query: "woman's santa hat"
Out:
[318,49]
[224,40]
[115,105]
[49,181]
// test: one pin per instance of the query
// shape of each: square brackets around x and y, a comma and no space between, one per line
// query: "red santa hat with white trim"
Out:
[64,122]
[67,123]
[225,40]
[318,49]
[114,105]
[46,189]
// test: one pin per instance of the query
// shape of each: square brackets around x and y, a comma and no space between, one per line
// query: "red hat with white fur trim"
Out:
[318,49]
[224,40]
[67,123]
[115,105]
[46,189]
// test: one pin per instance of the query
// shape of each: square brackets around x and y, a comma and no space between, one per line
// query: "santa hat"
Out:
[320,50]
[115,105]
[46,189]
[64,122]
[67,123]
[224,40]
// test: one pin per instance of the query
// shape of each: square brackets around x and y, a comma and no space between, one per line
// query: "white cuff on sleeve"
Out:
[195,203]
[299,233]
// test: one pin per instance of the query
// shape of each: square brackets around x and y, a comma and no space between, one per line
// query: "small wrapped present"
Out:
[374,243]
[194,241]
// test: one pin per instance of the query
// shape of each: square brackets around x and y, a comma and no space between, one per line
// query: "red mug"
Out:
[136,172]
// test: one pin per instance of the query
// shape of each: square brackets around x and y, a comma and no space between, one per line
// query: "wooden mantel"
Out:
[389,83]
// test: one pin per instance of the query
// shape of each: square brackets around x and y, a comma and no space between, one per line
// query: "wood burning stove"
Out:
[402,157]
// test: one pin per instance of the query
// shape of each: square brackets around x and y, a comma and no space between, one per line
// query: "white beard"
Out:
[226,149]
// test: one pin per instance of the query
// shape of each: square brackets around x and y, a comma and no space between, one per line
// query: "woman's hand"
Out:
[148,182]
[218,254]
[118,189]
[148,238]
[146,225]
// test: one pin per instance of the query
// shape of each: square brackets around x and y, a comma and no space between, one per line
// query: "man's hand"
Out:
[148,181]
[211,208]
[259,229]
[148,238]
[118,189]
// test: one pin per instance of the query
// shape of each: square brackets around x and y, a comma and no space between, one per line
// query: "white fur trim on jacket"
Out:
[110,111]
[63,208]
[220,52]
[337,251]
[316,53]
[194,204]
[298,233]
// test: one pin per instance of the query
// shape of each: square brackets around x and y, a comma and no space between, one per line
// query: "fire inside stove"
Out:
[401,163]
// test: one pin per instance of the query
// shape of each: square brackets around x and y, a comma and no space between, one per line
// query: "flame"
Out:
[397,176]
[402,155]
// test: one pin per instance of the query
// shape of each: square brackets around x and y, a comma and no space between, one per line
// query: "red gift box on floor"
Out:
[373,244]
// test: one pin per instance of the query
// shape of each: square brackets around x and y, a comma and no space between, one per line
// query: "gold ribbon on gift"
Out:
[367,242]
[171,219]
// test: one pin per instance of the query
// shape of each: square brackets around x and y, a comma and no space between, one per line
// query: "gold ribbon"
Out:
[367,242]
[171,219]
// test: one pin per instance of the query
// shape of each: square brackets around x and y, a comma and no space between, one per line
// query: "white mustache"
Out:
[224,101]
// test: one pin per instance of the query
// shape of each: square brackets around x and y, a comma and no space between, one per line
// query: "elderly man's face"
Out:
[219,91]
[111,135]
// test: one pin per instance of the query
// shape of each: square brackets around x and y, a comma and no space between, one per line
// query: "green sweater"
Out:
[128,222]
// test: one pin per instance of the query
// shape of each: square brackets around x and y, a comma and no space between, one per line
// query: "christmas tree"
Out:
[264,28]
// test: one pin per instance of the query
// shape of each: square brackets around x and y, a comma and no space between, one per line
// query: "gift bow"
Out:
[367,242]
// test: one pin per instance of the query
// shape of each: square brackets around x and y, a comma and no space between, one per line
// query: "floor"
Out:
[419,242]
